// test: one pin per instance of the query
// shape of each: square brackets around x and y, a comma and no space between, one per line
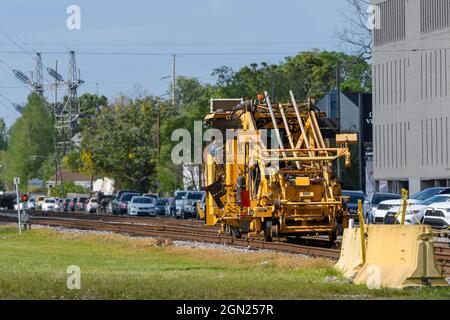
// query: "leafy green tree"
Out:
[3,135]
[69,187]
[308,74]
[121,144]
[30,142]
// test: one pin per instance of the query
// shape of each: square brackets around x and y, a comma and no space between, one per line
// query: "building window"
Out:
[392,16]
[434,15]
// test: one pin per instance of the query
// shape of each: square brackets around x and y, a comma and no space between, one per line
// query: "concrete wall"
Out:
[411,94]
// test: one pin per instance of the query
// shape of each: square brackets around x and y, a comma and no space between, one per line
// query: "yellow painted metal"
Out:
[400,256]
[361,231]
[351,259]
[211,208]
[298,194]
[302,181]
[201,213]
[404,204]
[344,138]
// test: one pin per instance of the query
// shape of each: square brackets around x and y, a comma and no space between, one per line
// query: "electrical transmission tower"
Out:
[67,114]
[38,85]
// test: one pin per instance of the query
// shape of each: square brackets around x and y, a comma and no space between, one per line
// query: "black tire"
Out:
[236,233]
[268,231]
[332,236]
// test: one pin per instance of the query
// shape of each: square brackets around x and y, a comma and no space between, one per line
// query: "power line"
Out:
[181,44]
[8,106]
[105,53]
[17,44]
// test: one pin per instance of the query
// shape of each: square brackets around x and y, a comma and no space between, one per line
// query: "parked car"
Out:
[385,206]
[72,202]
[375,200]
[123,202]
[32,204]
[153,196]
[92,205]
[109,207]
[49,204]
[414,213]
[57,204]
[65,205]
[190,206]
[39,201]
[105,204]
[79,203]
[141,206]
[160,206]
[352,204]
[21,205]
[116,200]
[437,215]
[180,199]
[170,207]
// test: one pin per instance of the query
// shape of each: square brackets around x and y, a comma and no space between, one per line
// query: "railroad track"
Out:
[193,230]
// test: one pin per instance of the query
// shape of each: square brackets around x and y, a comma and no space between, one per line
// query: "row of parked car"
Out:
[125,202]
[182,205]
[59,204]
[430,206]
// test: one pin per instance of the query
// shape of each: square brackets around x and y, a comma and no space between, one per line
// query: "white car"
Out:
[49,204]
[31,204]
[384,206]
[57,204]
[141,206]
[414,213]
[92,205]
[190,205]
[180,200]
[437,215]
[21,205]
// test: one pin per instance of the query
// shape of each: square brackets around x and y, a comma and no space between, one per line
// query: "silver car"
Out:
[141,206]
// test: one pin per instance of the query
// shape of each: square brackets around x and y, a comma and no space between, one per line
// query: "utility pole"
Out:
[338,111]
[174,80]
[55,132]
[158,125]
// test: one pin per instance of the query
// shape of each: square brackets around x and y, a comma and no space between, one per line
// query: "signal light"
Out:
[24,198]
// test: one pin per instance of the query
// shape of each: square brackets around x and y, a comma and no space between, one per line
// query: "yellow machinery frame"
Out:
[300,197]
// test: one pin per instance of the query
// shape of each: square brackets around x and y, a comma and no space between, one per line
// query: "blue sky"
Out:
[219,30]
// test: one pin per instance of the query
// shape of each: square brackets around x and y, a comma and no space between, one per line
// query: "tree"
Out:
[121,144]
[3,135]
[356,33]
[193,99]
[308,74]
[30,142]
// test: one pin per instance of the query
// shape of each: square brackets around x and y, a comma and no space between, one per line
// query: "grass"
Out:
[119,267]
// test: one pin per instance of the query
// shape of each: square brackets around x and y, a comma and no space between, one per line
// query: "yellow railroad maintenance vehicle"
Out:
[272,173]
